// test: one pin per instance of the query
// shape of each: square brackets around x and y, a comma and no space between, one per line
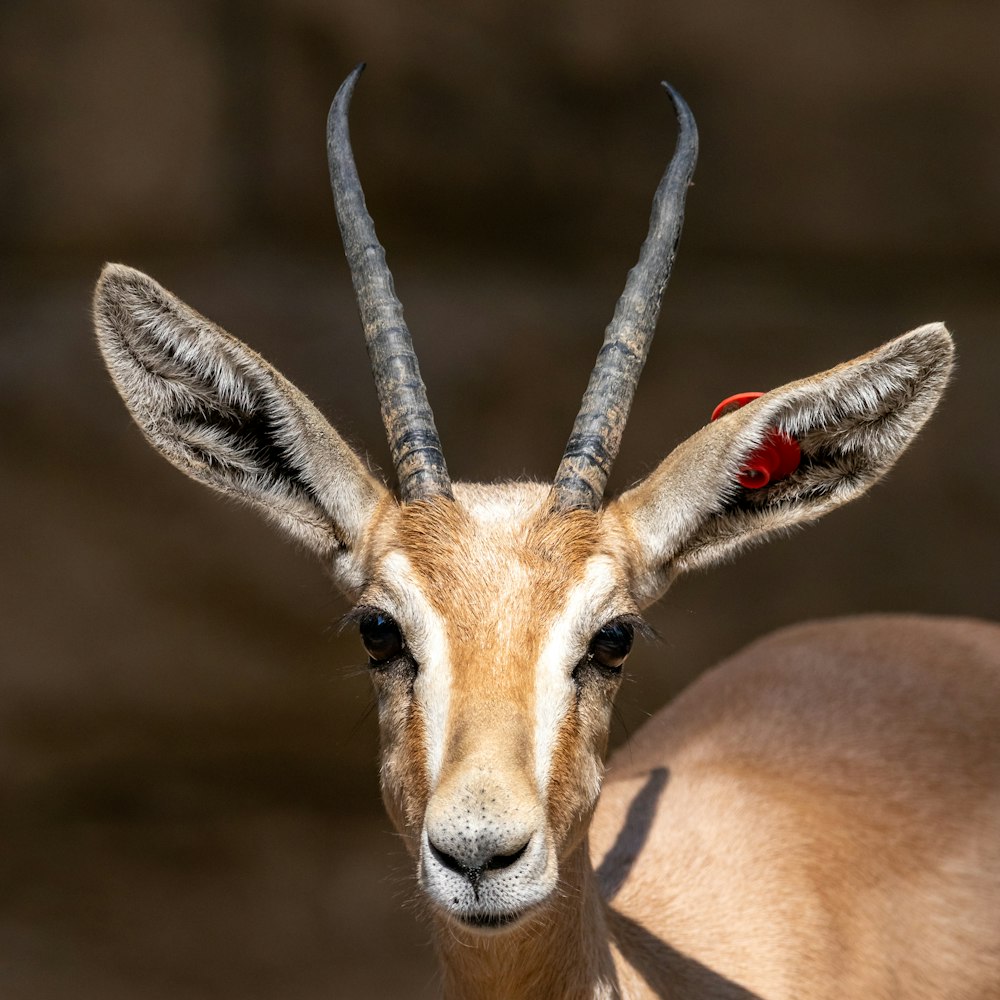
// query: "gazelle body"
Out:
[820,817]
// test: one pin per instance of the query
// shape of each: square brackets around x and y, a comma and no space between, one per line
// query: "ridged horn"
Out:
[409,423]
[593,443]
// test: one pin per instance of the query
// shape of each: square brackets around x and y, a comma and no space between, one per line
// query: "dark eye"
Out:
[611,645]
[381,637]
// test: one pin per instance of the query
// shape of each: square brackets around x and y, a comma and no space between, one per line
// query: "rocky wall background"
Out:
[188,793]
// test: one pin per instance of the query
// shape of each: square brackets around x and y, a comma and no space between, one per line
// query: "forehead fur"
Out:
[492,542]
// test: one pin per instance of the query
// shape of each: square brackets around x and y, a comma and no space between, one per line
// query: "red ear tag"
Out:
[777,457]
[731,403]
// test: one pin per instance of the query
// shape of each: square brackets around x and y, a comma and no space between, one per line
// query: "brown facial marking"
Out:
[577,761]
[405,785]
[497,584]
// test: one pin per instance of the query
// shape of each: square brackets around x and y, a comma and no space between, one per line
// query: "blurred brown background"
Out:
[188,790]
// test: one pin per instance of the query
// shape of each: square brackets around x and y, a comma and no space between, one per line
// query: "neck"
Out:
[564,951]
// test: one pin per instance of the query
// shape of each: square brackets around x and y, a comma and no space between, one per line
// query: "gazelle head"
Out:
[497,618]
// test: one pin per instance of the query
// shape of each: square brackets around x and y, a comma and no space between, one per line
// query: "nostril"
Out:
[452,864]
[506,860]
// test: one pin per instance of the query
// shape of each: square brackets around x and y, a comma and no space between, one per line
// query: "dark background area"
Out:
[188,788]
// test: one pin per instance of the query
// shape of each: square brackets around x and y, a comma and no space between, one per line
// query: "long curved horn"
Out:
[593,443]
[409,423]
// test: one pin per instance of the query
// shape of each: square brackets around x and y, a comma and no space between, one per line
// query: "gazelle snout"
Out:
[485,853]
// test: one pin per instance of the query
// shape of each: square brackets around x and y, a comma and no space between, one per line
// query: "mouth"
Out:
[489,921]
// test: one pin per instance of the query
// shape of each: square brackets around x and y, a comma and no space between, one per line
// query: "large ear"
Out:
[224,416]
[851,422]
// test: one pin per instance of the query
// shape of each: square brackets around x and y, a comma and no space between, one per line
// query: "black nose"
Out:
[473,868]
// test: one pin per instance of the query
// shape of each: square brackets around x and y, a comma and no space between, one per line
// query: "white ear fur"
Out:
[852,423]
[226,418]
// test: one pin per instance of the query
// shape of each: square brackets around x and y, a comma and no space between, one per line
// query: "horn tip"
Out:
[688,138]
[678,102]
[342,98]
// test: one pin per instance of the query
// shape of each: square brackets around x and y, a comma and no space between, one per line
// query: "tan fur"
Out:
[829,824]
[817,818]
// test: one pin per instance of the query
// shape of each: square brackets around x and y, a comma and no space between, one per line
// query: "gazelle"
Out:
[818,817]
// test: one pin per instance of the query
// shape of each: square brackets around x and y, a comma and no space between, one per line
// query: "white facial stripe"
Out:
[425,634]
[588,605]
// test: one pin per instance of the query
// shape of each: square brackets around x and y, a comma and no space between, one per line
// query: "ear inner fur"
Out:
[226,418]
[851,422]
